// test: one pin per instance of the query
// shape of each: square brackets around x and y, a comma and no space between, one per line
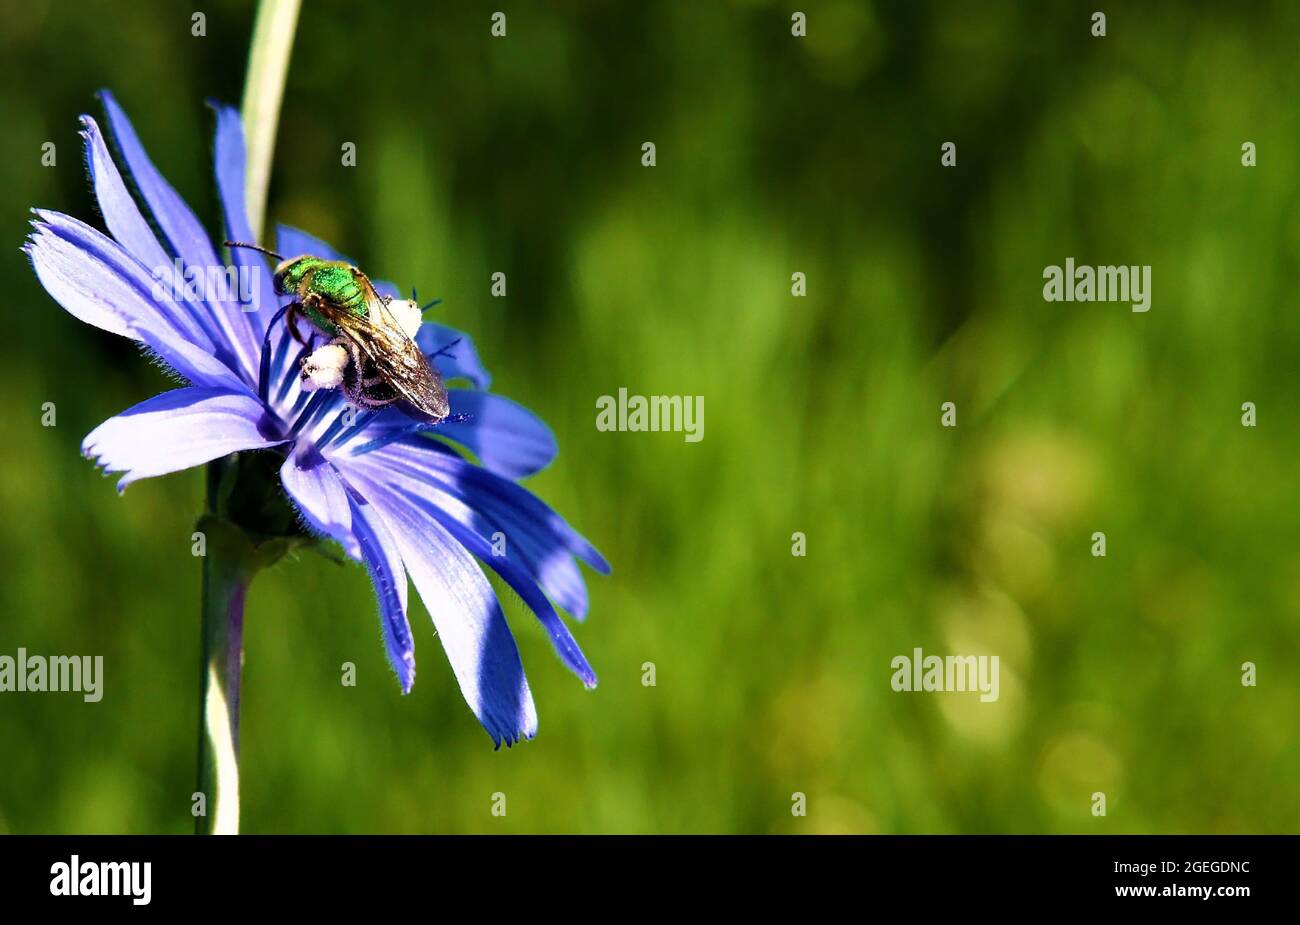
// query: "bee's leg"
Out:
[325,367]
[352,372]
[360,394]
[352,384]
[358,387]
[291,321]
[353,351]
[312,302]
[368,401]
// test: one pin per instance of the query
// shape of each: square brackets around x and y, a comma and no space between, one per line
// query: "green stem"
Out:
[229,564]
[244,530]
[268,64]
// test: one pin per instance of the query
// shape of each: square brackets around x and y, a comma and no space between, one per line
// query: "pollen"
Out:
[407,314]
[324,368]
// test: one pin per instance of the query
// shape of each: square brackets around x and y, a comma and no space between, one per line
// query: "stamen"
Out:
[419,427]
[264,369]
[332,433]
[299,403]
[316,402]
[442,351]
[289,378]
[423,308]
[282,349]
[382,441]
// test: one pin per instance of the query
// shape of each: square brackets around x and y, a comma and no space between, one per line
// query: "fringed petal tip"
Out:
[97,456]
[511,720]
[405,671]
[89,127]
[41,231]
[513,739]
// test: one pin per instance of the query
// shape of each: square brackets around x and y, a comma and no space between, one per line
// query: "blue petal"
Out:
[533,538]
[389,577]
[467,616]
[506,437]
[228,153]
[132,231]
[293,242]
[385,288]
[186,236]
[96,281]
[173,216]
[176,430]
[315,488]
[453,353]
[483,490]
[325,503]
[369,472]
[120,212]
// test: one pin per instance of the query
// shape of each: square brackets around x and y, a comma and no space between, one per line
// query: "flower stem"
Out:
[229,563]
[245,529]
[268,64]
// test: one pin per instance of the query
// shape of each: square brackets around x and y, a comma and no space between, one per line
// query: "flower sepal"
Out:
[244,493]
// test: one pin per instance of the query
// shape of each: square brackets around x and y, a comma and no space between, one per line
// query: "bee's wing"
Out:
[395,356]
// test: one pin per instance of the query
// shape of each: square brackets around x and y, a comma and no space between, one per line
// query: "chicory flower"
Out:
[394,494]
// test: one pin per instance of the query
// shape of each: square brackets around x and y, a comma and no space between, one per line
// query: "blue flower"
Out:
[404,503]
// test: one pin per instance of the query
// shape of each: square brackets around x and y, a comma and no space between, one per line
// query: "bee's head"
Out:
[290,273]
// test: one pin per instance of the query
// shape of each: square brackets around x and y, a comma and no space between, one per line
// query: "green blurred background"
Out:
[775,155]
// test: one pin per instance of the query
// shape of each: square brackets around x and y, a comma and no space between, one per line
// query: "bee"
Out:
[386,367]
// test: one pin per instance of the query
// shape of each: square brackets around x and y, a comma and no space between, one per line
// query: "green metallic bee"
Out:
[339,300]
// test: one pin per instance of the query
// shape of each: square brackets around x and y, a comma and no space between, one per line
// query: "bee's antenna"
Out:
[253,247]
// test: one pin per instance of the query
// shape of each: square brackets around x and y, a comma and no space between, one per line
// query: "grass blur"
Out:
[775,155]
